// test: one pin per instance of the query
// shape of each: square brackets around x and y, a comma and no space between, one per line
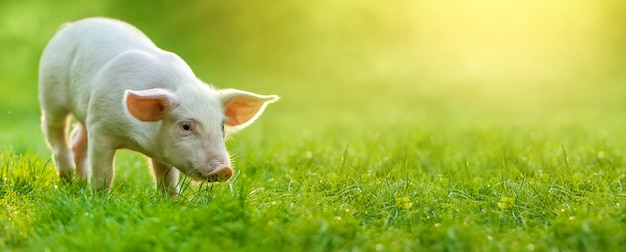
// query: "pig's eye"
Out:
[187,126]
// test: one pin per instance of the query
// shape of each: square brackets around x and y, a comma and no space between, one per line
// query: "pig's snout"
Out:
[220,174]
[217,169]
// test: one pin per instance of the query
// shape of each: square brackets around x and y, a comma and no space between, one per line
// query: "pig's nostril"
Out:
[220,175]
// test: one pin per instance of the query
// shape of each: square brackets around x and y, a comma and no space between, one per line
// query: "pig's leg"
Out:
[54,125]
[101,152]
[79,147]
[166,178]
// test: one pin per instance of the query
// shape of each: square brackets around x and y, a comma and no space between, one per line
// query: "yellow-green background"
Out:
[403,125]
[337,62]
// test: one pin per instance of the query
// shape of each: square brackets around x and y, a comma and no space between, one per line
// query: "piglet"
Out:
[125,92]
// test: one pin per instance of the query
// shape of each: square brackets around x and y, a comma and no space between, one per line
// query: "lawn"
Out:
[440,126]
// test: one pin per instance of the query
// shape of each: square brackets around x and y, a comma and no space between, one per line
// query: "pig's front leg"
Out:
[101,159]
[166,178]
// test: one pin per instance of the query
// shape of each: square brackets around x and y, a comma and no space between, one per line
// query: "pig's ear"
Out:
[149,105]
[242,108]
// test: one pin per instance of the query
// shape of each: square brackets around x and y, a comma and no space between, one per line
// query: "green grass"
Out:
[386,138]
[464,190]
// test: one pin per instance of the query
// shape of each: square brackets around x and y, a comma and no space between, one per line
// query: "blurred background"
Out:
[353,64]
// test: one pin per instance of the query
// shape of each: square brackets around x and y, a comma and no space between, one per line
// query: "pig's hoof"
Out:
[66,177]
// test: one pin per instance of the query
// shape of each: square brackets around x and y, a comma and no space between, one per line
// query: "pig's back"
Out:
[78,52]
[82,48]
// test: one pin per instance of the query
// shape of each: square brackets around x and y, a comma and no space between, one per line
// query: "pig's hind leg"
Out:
[54,125]
[79,147]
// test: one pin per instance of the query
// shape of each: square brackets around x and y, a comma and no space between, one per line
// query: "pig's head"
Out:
[190,126]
